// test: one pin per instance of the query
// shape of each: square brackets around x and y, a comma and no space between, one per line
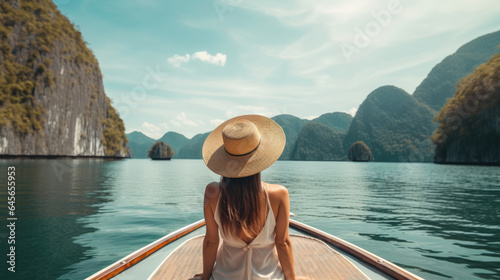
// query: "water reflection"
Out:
[50,197]
[78,216]
[447,215]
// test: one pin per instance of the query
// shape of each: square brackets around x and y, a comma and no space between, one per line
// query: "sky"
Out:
[187,66]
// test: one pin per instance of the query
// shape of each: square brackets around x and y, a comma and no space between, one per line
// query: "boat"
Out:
[317,255]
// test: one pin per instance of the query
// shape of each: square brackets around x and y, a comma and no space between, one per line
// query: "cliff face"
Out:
[440,84]
[192,149]
[317,141]
[339,121]
[394,125]
[292,126]
[469,130]
[483,148]
[52,96]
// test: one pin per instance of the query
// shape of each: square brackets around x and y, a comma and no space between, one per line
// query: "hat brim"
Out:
[271,146]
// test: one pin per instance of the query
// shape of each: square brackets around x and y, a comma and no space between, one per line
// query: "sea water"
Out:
[74,217]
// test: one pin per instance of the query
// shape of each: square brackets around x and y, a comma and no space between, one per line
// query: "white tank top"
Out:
[255,261]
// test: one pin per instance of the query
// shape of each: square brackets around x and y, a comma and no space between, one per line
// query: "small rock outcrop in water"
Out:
[469,129]
[360,152]
[52,100]
[161,150]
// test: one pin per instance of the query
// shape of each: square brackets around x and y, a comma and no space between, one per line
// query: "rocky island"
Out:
[469,123]
[161,151]
[360,152]
[52,99]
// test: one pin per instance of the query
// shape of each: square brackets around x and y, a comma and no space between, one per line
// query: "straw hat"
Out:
[243,146]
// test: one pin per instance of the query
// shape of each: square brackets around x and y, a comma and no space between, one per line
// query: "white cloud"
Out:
[353,111]
[176,123]
[151,130]
[177,60]
[216,122]
[182,119]
[218,59]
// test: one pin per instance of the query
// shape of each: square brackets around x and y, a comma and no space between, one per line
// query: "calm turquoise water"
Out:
[78,216]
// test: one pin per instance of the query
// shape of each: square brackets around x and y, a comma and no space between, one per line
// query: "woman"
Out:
[250,216]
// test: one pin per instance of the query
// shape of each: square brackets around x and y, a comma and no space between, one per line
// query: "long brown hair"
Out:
[240,205]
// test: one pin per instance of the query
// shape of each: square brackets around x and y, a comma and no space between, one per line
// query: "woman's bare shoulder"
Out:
[278,192]
[212,191]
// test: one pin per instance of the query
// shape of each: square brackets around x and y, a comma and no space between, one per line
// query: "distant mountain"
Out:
[291,126]
[174,140]
[192,149]
[441,82]
[317,141]
[140,144]
[339,121]
[394,125]
[139,138]
[469,129]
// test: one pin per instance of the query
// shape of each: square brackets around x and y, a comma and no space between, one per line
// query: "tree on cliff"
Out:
[161,150]
[469,123]
[359,151]
[394,125]
[52,99]
[317,141]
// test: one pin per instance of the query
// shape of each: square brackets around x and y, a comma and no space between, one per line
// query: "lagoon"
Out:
[78,216]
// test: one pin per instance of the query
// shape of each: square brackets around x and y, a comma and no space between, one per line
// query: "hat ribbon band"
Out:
[242,155]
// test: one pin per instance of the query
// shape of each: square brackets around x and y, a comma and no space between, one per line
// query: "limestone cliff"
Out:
[52,100]
[317,141]
[394,125]
[469,129]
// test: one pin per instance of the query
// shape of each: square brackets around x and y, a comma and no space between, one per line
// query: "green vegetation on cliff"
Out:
[291,125]
[339,121]
[317,141]
[359,151]
[469,123]
[114,133]
[192,148]
[37,26]
[394,125]
[174,140]
[441,81]
[52,99]
[161,150]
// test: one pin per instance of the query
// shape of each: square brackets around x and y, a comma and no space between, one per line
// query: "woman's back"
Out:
[249,259]
[253,224]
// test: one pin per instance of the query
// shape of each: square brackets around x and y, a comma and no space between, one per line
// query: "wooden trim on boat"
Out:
[369,258]
[142,253]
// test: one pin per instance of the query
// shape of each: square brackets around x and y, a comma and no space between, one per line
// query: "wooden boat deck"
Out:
[313,258]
